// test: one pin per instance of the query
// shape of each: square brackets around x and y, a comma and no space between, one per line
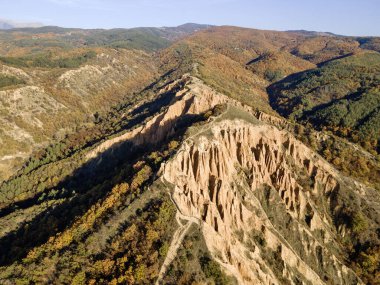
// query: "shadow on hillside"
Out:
[335,58]
[139,115]
[85,187]
[289,81]
[351,97]
[257,59]
[155,83]
[293,80]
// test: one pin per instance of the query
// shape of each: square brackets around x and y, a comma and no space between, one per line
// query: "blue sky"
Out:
[348,17]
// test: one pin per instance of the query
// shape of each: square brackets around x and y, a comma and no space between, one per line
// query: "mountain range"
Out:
[194,154]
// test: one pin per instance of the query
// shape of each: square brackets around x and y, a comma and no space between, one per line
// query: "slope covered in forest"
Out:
[342,95]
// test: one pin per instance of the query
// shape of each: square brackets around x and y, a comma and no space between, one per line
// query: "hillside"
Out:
[246,44]
[341,95]
[223,156]
[46,97]
[54,79]
[128,171]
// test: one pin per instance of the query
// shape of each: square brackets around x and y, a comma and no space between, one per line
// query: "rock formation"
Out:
[264,199]
[260,215]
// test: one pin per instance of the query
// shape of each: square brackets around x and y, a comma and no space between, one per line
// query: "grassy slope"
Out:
[194,265]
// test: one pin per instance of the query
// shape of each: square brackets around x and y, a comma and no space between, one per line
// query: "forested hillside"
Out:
[341,96]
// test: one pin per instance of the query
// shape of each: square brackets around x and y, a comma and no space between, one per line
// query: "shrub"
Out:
[212,270]
[7,80]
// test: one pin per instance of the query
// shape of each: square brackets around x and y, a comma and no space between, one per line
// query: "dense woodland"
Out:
[341,96]
[46,61]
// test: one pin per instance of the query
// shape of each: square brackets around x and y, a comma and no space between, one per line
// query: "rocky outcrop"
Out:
[264,201]
[195,99]
[17,72]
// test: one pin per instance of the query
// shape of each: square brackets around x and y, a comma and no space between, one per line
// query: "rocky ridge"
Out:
[234,181]
[265,201]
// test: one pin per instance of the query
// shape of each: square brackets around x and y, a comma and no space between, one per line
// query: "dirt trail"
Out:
[178,237]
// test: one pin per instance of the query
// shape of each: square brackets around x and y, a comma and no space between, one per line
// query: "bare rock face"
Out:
[197,99]
[193,98]
[265,201]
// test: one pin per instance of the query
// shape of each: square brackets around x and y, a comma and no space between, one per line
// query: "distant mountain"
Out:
[185,29]
[314,33]
[191,27]
[145,38]
[9,24]
[5,25]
